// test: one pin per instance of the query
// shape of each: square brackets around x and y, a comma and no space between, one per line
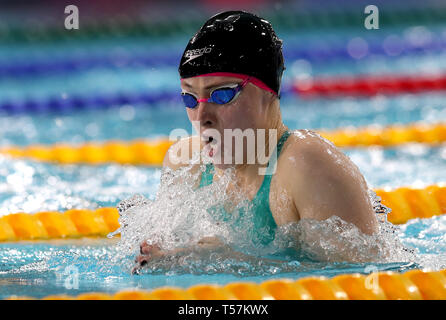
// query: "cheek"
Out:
[193,119]
[227,118]
[190,114]
[241,115]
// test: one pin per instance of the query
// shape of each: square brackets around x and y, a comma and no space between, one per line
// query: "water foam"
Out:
[179,217]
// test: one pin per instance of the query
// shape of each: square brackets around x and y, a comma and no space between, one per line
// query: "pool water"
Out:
[74,266]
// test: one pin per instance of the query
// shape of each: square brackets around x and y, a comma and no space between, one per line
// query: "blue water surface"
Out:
[42,268]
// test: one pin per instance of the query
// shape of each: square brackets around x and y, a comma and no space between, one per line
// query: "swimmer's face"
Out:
[247,111]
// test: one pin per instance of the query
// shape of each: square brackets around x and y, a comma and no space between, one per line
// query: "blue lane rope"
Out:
[77,102]
[100,101]
[291,52]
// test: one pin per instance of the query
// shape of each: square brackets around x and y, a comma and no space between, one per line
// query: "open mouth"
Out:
[210,145]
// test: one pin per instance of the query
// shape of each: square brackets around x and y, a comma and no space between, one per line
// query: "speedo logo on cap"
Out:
[195,53]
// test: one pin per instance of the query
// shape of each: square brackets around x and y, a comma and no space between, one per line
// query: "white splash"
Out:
[179,216]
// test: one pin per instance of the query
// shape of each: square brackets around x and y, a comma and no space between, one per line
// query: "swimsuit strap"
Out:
[281,142]
[264,188]
[264,222]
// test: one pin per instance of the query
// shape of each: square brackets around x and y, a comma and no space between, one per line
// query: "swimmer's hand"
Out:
[148,252]
[153,252]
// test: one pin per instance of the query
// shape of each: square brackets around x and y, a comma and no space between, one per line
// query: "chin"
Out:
[223,166]
[218,161]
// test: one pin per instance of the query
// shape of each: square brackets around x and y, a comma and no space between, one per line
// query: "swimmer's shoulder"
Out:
[309,150]
[294,171]
[304,146]
[323,181]
[181,152]
[307,156]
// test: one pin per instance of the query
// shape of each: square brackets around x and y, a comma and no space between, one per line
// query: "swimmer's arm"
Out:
[325,182]
[204,245]
[206,249]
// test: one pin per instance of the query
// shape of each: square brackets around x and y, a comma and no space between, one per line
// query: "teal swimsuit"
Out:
[263,224]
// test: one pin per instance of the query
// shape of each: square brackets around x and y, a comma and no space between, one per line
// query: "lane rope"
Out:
[410,285]
[292,18]
[390,46]
[406,203]
[369,86]
[144,152]
[309,88]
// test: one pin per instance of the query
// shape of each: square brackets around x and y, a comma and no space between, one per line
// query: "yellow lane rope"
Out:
[143,152]
[406,203]
[411,285]
[387,136]
[137,152]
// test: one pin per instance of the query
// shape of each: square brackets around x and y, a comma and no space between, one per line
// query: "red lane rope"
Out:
[368,86]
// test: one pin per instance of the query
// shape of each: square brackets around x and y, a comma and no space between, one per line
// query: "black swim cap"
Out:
[235,42]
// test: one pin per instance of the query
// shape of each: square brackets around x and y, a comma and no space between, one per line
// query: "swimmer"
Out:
[231,73]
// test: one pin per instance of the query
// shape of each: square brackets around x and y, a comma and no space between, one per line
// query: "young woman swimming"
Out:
[231,74]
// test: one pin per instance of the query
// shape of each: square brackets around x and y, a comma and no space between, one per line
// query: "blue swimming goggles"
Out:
[222,95]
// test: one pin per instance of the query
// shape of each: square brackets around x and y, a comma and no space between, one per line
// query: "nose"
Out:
[204,114]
